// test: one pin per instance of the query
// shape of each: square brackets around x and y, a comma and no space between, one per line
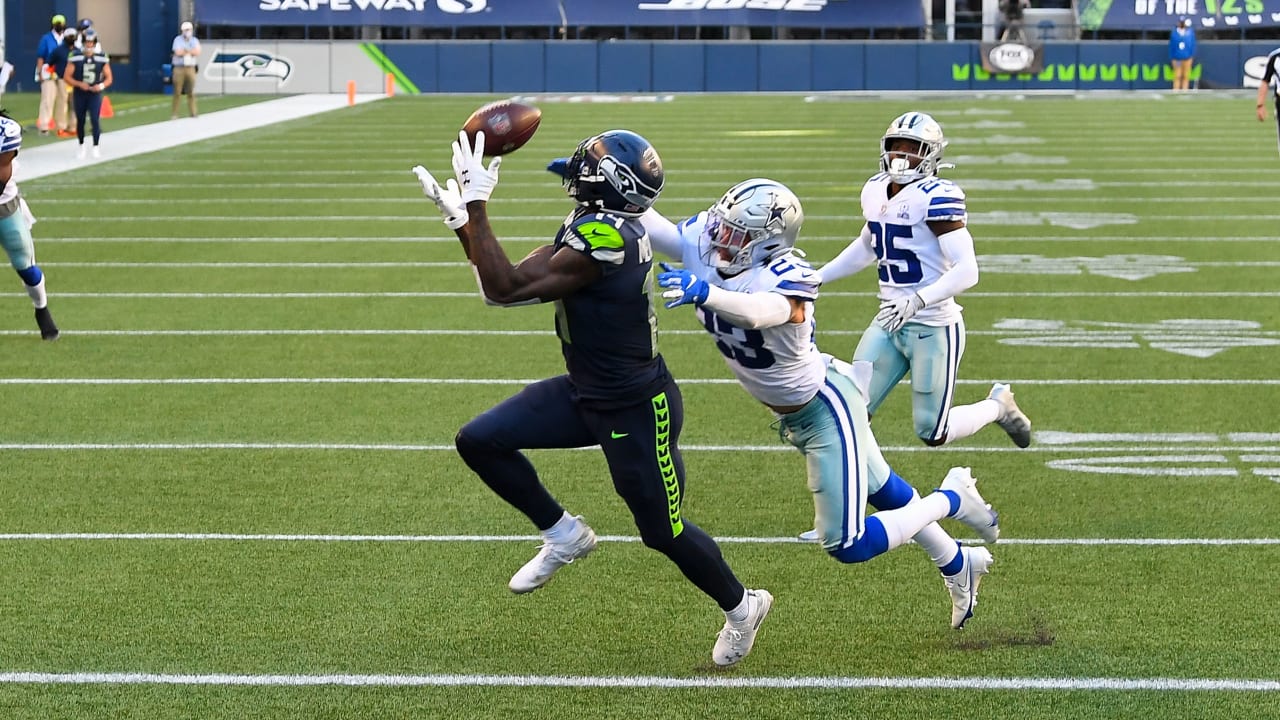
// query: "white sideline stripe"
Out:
[473,332]
[475,294]
[528,381]
[642,681]
[393,447]
[735,540]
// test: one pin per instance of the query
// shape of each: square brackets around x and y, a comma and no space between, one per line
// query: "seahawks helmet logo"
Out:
[248,66]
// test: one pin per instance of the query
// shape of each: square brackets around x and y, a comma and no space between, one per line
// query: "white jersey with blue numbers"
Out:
[10,140]
[780,365]
[908,254]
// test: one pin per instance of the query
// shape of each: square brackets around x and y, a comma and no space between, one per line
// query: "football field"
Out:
[231,489]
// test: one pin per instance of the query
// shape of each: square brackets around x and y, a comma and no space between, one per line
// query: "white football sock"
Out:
[564,531]
[938,543]
[739,613]
[966,420]
[37,294]
[908,520]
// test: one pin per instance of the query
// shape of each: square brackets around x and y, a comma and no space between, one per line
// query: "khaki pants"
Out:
[1182,74]
[63,118]
[48,94]
[184,78]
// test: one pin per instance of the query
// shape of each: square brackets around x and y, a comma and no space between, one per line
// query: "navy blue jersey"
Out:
[608,330]
[88,68]
[59,57]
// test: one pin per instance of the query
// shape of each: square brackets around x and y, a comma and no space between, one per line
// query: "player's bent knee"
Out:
[933,441]
[661,540]
[861,551]
[473,441]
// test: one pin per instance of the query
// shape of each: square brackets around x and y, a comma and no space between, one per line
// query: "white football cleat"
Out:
[550,558]
[80,152]
[963,586]
[1011,419]
[735,639]
[96,152]
[809,535]
[974,511]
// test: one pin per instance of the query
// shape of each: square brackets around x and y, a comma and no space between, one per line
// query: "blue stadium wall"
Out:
[153,23]
[637,66]
[684,66]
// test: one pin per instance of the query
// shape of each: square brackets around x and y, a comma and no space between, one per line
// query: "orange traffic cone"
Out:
[107,110]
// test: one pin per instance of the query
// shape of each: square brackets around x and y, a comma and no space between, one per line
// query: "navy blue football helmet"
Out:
[617,171]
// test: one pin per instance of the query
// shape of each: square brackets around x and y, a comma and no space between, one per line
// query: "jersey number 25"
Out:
[897,265]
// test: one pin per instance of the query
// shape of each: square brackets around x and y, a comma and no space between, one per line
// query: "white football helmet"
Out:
[754,222]
[920,128]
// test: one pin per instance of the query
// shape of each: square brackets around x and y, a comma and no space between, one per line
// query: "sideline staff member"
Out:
[1270,80]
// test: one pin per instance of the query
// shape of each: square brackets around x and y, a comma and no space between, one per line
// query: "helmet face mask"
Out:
[906,167]
[617,171]
[754,222]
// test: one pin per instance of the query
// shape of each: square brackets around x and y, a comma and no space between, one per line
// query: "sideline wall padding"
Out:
[536,66]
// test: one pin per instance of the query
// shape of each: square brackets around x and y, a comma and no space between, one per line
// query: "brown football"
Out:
[507,125]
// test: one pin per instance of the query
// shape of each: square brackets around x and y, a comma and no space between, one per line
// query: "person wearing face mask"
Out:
[45,79]
[186,51]
[63,118]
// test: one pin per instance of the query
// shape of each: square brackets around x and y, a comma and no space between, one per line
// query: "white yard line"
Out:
[789,540]
[1056,239]
[1111,684]
[781,448]
[527,381]
[1011,333]
[475,294]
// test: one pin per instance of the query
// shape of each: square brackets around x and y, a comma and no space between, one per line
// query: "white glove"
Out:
[447,199]
[477,181]
[893,313]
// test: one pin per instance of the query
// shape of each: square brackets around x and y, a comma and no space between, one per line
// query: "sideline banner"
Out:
[1012,57]
[1165,14]
[555,13]
[405,13]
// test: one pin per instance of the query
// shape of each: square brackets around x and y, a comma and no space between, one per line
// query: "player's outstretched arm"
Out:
[957,248]
[858,255]
[750,311]
[664,235]
[542,276]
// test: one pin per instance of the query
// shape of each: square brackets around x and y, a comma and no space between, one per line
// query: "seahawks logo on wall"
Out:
[248,66]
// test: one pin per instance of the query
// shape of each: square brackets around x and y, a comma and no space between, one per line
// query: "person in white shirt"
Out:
[915,234]
[186,57]
[754,293]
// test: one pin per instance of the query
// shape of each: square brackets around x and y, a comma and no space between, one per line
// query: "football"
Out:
[507,125]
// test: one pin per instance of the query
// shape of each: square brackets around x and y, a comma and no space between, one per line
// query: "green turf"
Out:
[324,209]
